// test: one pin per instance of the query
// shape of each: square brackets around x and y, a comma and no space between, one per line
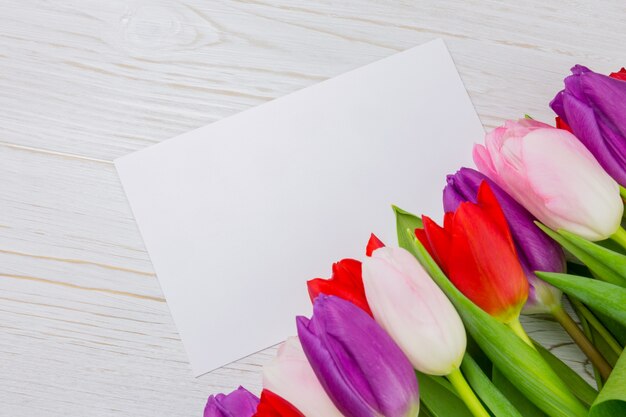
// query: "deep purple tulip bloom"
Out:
[239,403]
[361,368]
[594,107]
[535,250]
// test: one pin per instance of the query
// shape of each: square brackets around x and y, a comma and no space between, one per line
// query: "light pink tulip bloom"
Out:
[291,377]
[418,316]
[554,176]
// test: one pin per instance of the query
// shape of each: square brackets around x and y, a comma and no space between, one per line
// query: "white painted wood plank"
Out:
[85,328]
[103,78]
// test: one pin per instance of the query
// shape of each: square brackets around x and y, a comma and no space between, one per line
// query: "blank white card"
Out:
[239,214]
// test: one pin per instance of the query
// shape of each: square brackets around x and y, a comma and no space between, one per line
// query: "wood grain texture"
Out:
[84,328]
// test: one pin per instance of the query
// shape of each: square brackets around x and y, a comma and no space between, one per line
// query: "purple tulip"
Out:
[239,403]
[361,368]
[535,250]
[594,107]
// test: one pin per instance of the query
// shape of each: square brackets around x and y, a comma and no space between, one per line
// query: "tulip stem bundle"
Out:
[582,341]
[467,395]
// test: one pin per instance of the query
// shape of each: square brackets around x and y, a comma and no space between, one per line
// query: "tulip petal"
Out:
[273,405]
[619,75]
[345,282]
[290,375]
[363,371]
[240,402]
[373,244]
[438,240]
[413,310]
[578,195]
[535,250]
[464,248]
[593,106]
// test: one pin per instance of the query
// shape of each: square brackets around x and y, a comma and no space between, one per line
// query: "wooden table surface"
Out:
[84,327]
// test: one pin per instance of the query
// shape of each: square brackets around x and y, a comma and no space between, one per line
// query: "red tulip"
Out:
[346,281]
[475,249]
[620,75]
[273,405]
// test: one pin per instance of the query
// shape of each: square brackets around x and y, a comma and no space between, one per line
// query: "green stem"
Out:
[599,327]
[622,192]
[467,395]
[583,343]
[620,237]
[517,328]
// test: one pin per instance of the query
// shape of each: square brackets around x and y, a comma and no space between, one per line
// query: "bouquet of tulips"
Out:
[432,327]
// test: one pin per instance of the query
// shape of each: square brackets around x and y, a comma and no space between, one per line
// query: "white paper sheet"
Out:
[238,215]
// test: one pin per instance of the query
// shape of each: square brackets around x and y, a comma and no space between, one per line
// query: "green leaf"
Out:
[424,411]
[523,404]
[606,298]
[616,329]
[605,264]
[495,400]
[611,401]
[519,362]
[440,399]
[579,387]
[479,356]
[405,220]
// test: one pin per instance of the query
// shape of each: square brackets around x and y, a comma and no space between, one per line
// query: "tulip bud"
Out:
[241,403]
[536,250]
[361,368]
[414,311]
[290,376]
[551,174]
[273,405]
[593,106]
[475,249]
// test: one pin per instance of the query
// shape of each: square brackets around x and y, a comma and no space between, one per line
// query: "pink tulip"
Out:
[553,176]
[418,316]
[291,377]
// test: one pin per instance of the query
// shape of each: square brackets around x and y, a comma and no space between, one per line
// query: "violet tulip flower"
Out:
[361,368]
[594,107]
[418,316]
[535,250]
[240,403]
[291,377]
[551,174]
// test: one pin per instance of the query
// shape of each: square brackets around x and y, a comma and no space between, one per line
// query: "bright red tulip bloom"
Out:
[475,249]
[273,405]
[346,281]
